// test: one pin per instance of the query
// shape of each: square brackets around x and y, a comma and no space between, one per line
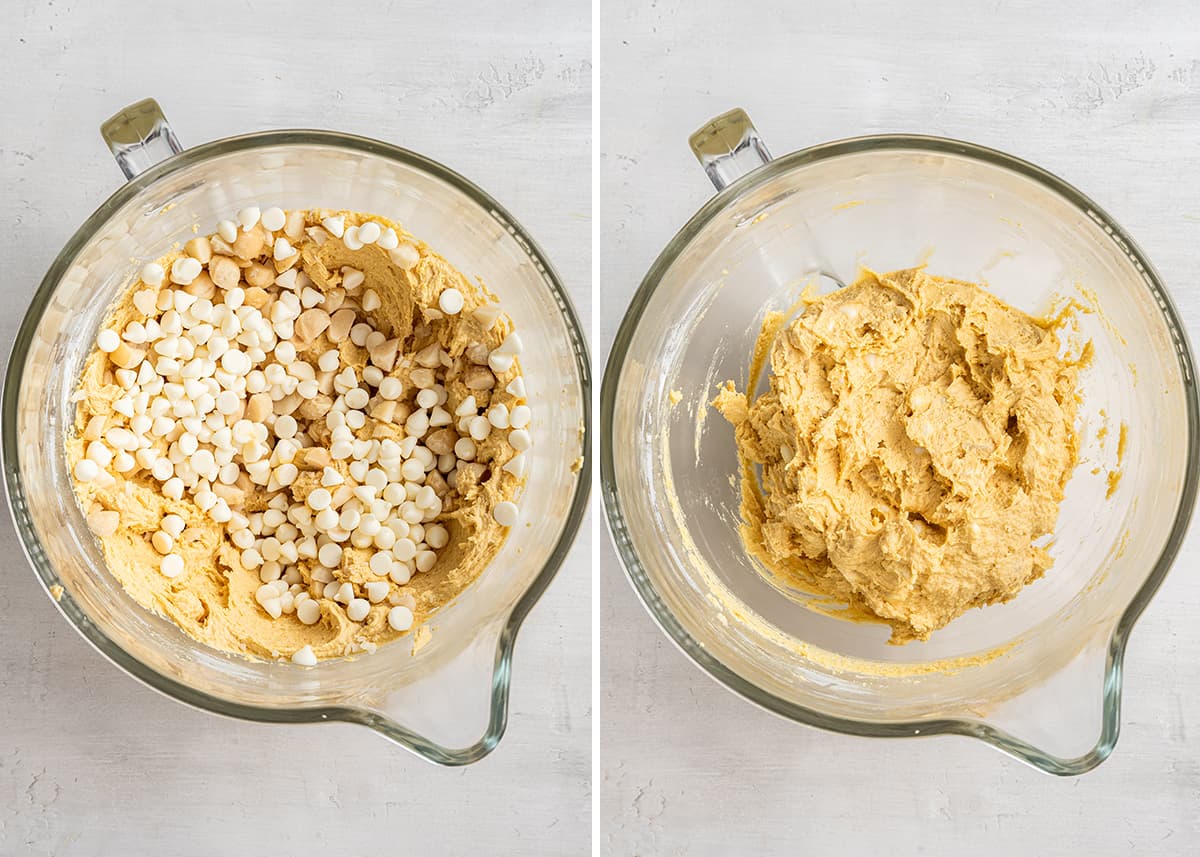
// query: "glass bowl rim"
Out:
[30,543]
[685,642]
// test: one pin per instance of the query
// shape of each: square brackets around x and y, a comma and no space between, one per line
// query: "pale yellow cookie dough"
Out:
[914,445]
[213,600]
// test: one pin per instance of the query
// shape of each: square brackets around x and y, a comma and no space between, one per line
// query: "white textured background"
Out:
[1106,95]
[93,763]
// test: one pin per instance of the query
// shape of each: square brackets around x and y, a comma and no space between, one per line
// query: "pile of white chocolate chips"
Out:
[340,425]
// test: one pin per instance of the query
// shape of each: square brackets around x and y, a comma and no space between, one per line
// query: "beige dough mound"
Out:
[302,435]
[914,446]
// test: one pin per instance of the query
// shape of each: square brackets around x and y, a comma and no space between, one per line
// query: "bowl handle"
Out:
[139,136]
[728,147]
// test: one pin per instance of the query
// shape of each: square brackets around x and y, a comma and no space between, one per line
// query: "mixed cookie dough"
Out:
[302,435]
[914,445]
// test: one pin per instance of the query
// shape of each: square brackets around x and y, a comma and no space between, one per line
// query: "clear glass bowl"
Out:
[448,701]
[1040,676]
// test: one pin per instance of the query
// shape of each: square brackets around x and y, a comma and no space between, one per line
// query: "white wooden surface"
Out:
[93,763]
[1105,94]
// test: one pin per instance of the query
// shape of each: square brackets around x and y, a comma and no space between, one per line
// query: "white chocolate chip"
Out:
[498,416]
[273,219]
[282,249]
[405,256]
[146,301]
[184,270]
[505,513]
[451,301]
[171,565]
[480,428]
[336,226]
[304,656]
[511,345]
[487,315]
[163,542]
[516,466]
[467,407]
[381,563]
[309,612]
[330,555]
[500,363]
[400,618]
[520,416]
[391,388]
[425,561]
[377,590]
[369,232]
[152,274]
[352,279]
[389,240]
[520,440]
[248,217]
[104,522]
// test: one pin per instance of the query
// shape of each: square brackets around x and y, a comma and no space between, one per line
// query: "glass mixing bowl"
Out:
[447,701]
[1038,677]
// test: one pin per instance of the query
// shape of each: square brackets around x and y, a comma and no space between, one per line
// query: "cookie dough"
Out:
[433,320]
[914,445]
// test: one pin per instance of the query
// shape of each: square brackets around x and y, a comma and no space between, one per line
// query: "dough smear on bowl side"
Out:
[302,435]
[914,445]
